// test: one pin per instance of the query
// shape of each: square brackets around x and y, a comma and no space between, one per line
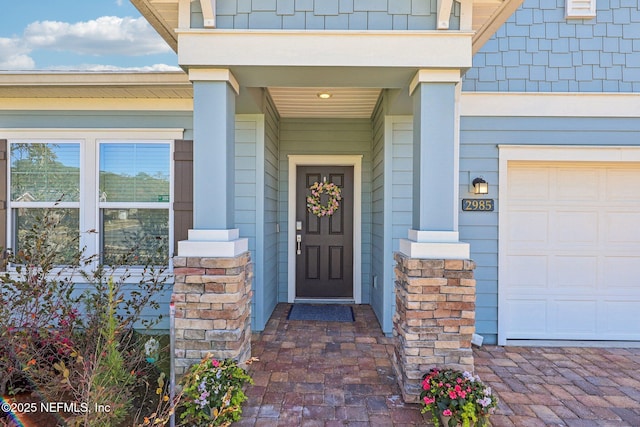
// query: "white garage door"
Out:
[572,251]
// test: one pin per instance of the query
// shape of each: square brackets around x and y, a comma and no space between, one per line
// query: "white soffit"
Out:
[343,103]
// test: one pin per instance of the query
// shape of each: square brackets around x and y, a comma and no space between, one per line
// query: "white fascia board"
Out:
[92,133]
[95,104]
[53,78]
[512,104]
[298,48]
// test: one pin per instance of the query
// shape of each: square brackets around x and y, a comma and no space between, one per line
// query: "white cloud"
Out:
[107,35]
[105,68]
[14,55]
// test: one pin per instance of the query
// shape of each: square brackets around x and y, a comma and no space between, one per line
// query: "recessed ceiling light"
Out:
[324,95]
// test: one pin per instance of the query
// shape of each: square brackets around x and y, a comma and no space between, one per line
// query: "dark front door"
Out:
[324,261]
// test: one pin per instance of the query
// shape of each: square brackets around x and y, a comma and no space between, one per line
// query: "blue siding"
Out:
[270,266]
[325,136]
[377,214]
[325,14]
[401,183]
[538,50]
[479,140]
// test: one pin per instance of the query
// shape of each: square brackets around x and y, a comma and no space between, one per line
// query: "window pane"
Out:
[131,172]
[45,172]
[135,236]
[55,229]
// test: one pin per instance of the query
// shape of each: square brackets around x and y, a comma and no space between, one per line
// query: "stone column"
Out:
[435,289]
[213,299]
[434,319]
[213,272]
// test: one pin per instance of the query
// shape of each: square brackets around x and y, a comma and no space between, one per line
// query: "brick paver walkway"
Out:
[551,386]
[325,374]
[340,374]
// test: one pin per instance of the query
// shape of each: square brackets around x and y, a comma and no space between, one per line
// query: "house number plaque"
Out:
[478,205]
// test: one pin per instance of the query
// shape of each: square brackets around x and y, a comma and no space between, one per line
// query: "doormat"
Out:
[322,312]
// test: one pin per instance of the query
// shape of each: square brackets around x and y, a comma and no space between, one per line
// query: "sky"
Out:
[79,35]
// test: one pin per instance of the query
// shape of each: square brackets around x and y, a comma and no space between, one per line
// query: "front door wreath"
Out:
[314,202]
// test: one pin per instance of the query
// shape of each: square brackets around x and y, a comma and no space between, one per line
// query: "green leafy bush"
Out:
[212,392]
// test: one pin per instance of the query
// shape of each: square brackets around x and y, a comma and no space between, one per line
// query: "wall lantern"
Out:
[480,186]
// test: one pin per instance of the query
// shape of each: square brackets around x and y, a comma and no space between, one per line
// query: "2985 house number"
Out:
[480,205]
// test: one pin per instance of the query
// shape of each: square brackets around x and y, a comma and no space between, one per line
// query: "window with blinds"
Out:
[110,196]
[45,188]
[134,187]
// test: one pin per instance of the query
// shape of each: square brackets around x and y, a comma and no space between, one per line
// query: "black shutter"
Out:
[3,201]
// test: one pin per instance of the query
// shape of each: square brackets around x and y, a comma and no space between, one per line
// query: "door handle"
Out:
[298,243]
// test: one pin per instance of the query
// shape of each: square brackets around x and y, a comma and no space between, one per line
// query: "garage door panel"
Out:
[622,227]
[526,227]
[572,250]
[621,272]
[576,226]
[574,272]
[528,184]
[527,272]
[534,323]
[622,185]
[577,185]
[573,318]
[617,321]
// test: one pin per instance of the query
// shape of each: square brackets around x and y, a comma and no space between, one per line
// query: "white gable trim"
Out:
[339,160]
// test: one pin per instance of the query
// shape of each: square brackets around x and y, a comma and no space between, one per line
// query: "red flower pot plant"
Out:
[456,398]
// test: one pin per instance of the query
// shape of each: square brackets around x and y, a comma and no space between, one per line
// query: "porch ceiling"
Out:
[343,102]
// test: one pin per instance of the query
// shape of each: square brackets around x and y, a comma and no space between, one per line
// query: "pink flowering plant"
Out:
[314,201]
[460,398]
[213,393]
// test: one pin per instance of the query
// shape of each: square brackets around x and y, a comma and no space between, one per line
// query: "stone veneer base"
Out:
[434,320]
[212,298]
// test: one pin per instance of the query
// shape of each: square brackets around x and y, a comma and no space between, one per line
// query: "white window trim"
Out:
[330,160]
[89,140]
